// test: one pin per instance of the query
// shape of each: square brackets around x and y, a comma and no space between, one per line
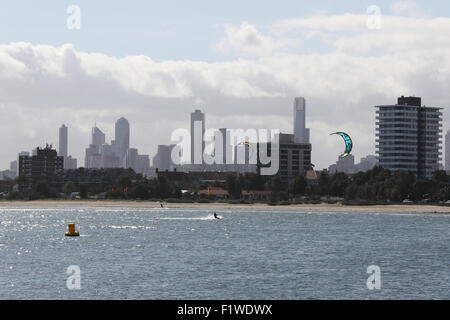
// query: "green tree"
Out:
[276,185]
[141,191]
[43,189]
[234,187]
[299,185]
[339,183]
[68,187]
[324,183]
[440,176]
[84,191]
[403,183]
[124,181]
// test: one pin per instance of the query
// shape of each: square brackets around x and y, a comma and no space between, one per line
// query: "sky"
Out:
[241,62]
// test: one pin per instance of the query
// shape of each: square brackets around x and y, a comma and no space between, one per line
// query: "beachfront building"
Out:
[408,136]
[447,152]
[44,166]
[294,158]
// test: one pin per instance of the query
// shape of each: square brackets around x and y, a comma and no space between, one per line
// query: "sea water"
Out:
[126,253]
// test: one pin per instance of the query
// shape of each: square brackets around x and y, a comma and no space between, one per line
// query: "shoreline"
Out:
[395,208]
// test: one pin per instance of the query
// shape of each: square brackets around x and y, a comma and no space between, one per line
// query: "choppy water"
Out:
[187,254]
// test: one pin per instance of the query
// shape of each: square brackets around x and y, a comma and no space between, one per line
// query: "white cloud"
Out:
[42,87]
[246,40]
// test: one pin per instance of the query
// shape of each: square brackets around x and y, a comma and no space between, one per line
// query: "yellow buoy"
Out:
[72,232]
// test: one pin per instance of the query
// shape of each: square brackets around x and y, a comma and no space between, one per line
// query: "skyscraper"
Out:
[132,157]
[447,151]
[98,137]
[93,158]
[69,162]
[197,137]
[163,159]
[109,158]
[63,141]
[142,163]
[408,136]
[122,139]
[301,133]
[227,148]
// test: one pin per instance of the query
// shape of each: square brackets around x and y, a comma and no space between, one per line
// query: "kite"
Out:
[348,143]
[246,143]
[250,147]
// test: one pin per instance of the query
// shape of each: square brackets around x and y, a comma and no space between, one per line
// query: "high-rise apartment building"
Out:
[44,166]
[447,151]
[132,156]
[408,136]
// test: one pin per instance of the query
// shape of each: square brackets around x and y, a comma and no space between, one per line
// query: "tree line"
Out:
[376,185]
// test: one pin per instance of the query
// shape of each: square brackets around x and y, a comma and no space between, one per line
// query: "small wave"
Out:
[205,218]
[129,227]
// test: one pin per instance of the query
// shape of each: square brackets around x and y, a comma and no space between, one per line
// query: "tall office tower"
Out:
[301,133]
[197,137]
[63,141]
[132,156]
[447,151]
[226,151]
[245,159]
[69,162]
[142,163]
[122,139]
[98,137]
[408,136]
[109,158]
[163,159]
[93,157]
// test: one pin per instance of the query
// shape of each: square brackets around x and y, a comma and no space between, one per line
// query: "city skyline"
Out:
[245,72]
[99,146]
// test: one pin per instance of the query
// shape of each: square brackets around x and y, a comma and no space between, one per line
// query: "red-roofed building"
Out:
[214,191]
[256,195]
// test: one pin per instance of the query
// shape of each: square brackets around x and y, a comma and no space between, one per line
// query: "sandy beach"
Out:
[225,206]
